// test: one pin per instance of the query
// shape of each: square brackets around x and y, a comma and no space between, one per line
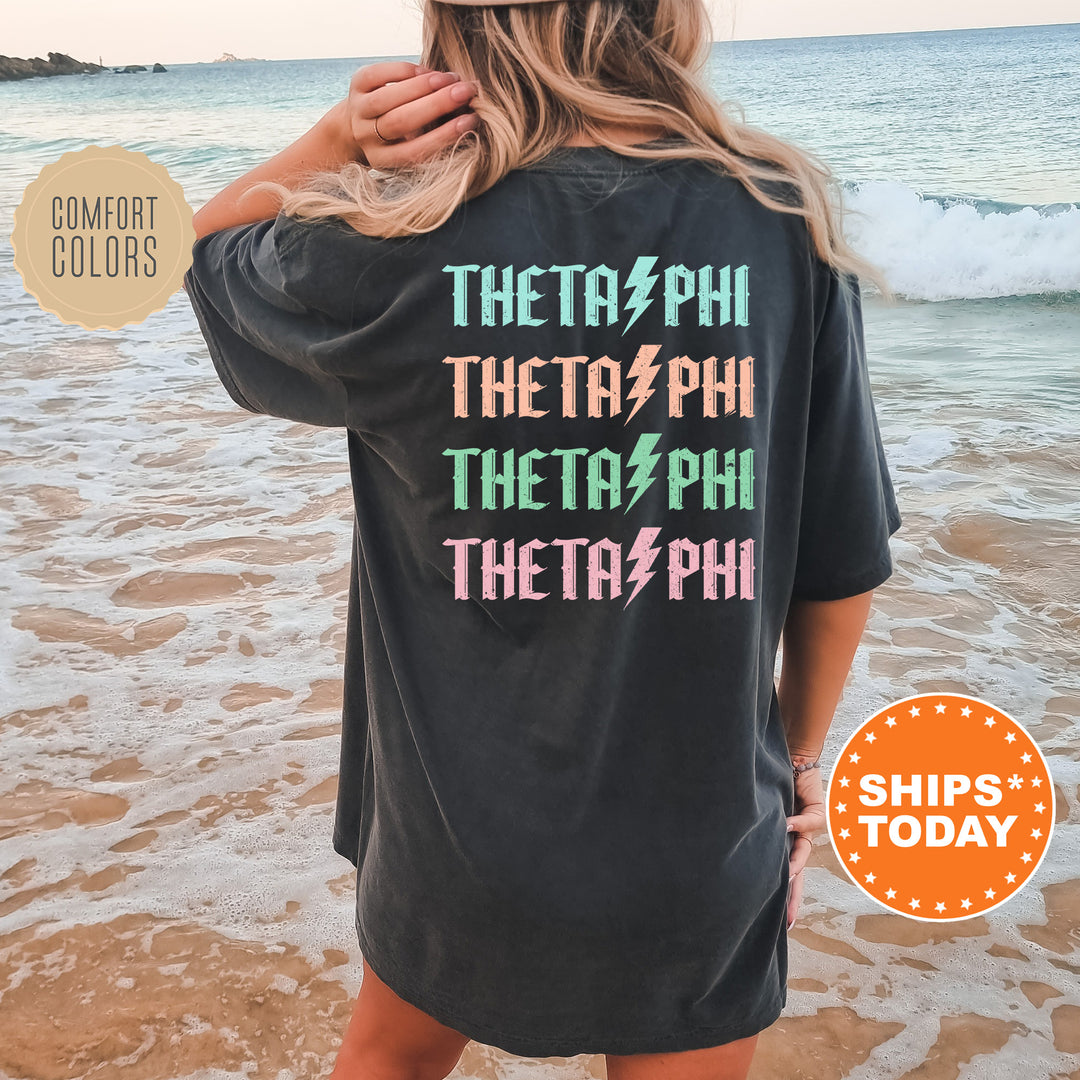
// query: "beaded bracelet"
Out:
[796,769]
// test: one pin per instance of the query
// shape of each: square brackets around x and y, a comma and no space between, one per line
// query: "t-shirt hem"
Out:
[343,849]
[218,353]
[869,579]
[565,1044]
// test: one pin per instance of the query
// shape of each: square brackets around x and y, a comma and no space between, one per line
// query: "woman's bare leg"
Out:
[389,1039]
[728,1062]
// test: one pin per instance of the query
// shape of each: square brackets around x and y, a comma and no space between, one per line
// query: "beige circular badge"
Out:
[103,237]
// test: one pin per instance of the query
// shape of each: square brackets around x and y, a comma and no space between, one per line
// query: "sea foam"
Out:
[951,248]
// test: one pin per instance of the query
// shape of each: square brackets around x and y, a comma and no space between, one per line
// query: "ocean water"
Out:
[175,571]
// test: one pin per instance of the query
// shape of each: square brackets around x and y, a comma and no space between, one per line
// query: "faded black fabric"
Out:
[567,815]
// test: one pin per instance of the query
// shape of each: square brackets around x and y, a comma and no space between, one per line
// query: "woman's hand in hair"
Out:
[416,108]
[419,112]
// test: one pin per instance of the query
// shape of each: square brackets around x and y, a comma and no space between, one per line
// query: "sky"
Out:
[141,32]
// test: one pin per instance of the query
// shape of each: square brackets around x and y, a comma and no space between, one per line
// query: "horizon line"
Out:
[715,41]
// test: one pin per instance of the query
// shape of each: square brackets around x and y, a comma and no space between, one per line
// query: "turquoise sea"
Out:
[174,570]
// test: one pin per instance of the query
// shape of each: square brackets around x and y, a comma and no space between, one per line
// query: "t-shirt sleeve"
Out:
[849,508]
[245,284]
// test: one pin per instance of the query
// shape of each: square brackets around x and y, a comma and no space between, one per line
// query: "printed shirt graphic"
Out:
[603,425]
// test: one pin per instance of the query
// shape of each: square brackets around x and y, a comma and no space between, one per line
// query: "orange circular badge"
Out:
[940,807]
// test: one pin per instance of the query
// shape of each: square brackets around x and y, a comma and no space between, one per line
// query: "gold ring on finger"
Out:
[381,136]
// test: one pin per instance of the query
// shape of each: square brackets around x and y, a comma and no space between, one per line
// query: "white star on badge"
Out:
[844,781]
[854,856]
[1011,737]
[841,807]
[990,721]
[1026,857]
[870,879]
[1025,758]
[854,757]
[1039,808]
[870,736]
[965,903]
[990,894]
[939,906]
[844,834]
[890,894]
[1036,781]
[891,721]
[913,903]
[1036,833]
[965,711]
[939,708]
[1010,878]
[914,710]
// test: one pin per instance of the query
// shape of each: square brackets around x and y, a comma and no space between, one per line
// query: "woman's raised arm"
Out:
[404,97]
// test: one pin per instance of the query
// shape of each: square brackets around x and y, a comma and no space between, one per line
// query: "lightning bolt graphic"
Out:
[643,460]
[643,555]
[641,281]
[642,371]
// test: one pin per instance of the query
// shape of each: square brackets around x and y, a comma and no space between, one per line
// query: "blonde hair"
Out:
[548,72]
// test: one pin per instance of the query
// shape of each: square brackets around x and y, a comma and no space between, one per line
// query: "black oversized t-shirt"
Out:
[603,425]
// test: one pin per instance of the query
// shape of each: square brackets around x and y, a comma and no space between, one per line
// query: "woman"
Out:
[597,349]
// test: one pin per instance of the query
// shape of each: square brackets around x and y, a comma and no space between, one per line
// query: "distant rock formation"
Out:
[228,58]
[14,67]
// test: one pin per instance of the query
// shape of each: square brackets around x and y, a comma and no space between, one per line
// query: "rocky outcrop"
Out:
[228,58]
[14,67]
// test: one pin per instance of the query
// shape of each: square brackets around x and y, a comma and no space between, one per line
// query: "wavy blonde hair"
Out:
[548,72]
